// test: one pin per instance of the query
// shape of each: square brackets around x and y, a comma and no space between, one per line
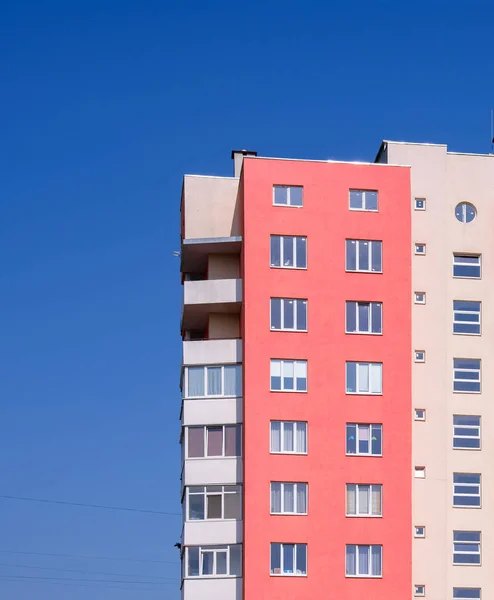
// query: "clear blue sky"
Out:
[103,106]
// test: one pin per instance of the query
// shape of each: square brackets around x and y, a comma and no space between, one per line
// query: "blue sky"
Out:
[104,106]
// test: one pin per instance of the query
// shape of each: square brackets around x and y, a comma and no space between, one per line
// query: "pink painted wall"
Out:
[326,221]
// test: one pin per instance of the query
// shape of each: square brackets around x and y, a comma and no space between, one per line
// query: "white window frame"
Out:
[462,436]
[420,249]
[288,195]
[357,254]
[296,486]
[474,543]
[282,314]
[281,239]
[296,365]
[473,312]
[419,590]
[283,574]
[364,200]
[371,367]
[416,298]
[417,417]
[356,305]
[296,426]
[419,531]
[205,433]
[205,375]
[457,262]
[226,490]
[458,593]
[475,487]
[459,380]
[357,439]
[357,561]
[419,472]
[215,549]
[416,203]
[419,356]
[357,489]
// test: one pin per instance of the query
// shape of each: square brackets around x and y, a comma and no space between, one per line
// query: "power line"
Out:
[80,580]
[83,557]
[86,505]
[12,579]
[84,571]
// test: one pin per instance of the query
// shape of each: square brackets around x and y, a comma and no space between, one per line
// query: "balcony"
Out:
[209,471]
[220,299]
[211,533]
[213,588]
[212,351]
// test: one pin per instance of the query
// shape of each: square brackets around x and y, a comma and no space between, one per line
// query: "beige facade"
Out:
[444,180]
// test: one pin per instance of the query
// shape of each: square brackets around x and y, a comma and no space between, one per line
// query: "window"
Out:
[288,314]
[466,317]
[465,212]
[419,590]
[466,489]
[466,547]
[288,375]
[214,441]
[289,251]
[364,378]
[213,502]
[289,437]
[466,593]
[214,561]
[419,355]
[419,531]
[364,256]
[466,265]
[420,249]
[218,381]
[364,317]
[363,561]
[466,376]
[420,414]
[288,498]
[363,200]
[419,472]
[466,432]
[419,297]
[419,203]
[289,559]
[363,500]
[364,440]
[288,195]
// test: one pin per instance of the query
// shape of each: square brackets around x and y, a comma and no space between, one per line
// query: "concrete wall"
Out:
[211,207]
[224,326]
[212,589]
[223,266]
[212,352]
[444,180]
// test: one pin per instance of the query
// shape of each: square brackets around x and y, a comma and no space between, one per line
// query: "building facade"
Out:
[331,376]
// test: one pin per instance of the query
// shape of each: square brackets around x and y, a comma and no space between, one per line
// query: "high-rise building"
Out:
[333,398]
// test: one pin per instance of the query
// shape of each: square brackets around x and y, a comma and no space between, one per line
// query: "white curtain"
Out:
[376,378]
[233,380]
[288,437]
[288,374]
[288,498]
[363,560]
[376,560]
[363,499]
[301,498]
[351,499]
[276,436]
[351,560]
[376,499]
[363,377]
[276,497]
[214,381]
[301,375]
[301,437]
[195,382]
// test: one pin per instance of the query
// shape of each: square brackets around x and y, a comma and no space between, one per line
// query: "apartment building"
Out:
[332,390]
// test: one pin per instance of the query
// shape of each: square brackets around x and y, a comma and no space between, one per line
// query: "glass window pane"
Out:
[288,314]
[376,439]
[301,439]
[376,560]
[363,499]
[301,559]
[275,559]
[351,438]
[371,200]
[275,436]
[363,317]
[214,381]
[236,560]
[275,251]
[195,382]
[288,251]
[233,506]
[376,499]
[288,552]
[301,498]
[275,313]
[233,380]
[363,560]
[276,375]
[288,375]
[233,440]
[207,562]
[356,199]
[296,196]
[351,559]
[351,317]
[363,256]
[351,255]
[301,252]
[289,497]
[275,497]
[195,442]
[301,315]
[363,439]
[351,499]
[196,507]
[280,195]
[301,376]
[376,308]
[288,438]
[376,378]
[193,561]
[221,568]
[377,257]
[215,441]
[363,377]
[351,377]
[214,506]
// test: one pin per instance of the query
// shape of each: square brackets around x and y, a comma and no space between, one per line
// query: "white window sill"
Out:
[371,210]
[288,205]
[287,514]
[289,391]
[288,268]
[466,392]
[212,398]
[212,520]
[288,574]
[363,393]
[289,453]
[364,455]
[290,330]
[463,277]
[212,458]
[364,516]
[212,576]
[362,333]
[370,272]
[363,576]
[468,449]
[463,333]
